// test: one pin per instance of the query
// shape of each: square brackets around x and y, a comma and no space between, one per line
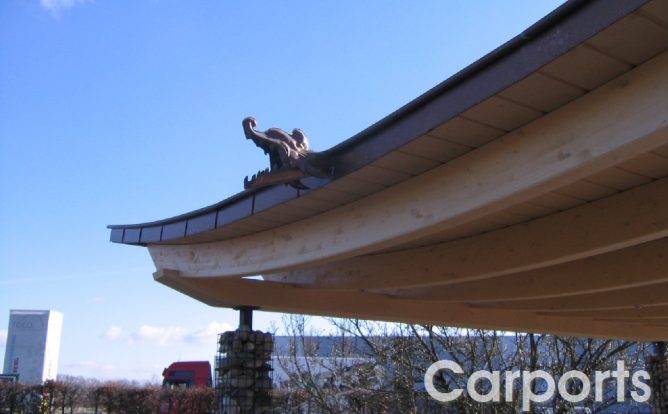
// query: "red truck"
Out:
[187,374]
[182,375]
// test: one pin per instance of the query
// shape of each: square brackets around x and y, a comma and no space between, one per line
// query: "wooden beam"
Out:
[631,312]
[662,320]
[641,265]
[656,294]
[272,296]
[618,121]
[622,220]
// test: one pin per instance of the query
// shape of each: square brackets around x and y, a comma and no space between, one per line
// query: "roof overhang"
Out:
[528,192]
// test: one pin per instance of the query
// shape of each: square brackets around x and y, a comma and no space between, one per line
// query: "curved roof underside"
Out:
[528,192]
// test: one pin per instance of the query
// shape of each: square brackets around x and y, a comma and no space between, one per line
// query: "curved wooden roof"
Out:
[552,37]
[528,192]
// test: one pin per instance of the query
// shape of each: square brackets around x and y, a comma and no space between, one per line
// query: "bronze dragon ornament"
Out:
[290,157]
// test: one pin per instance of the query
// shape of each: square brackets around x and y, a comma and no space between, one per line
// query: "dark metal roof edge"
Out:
[549,20]
[600,14]
[228,201]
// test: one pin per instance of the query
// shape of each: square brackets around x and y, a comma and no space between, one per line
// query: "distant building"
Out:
[33,345]
[323,355]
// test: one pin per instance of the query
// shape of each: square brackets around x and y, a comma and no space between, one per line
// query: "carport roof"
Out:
[556,54]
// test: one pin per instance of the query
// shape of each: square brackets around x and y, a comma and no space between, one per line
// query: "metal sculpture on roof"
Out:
[290,158]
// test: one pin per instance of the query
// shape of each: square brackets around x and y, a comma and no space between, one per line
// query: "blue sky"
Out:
[127,111]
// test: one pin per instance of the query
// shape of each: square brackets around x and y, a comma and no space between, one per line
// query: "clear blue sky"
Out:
[129,111]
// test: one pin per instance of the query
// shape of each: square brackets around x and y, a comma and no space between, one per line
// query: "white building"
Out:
[33,345]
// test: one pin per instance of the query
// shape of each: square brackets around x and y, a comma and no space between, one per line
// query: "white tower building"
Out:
[33,345]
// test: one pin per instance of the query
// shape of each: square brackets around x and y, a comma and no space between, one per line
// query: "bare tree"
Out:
[398,355]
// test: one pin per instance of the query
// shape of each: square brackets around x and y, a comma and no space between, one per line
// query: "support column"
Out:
[246,316]
[244,368]
[657,366]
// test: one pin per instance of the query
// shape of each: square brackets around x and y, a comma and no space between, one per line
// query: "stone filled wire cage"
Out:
[243,371]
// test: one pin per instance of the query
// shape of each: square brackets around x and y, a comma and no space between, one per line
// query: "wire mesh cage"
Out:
[244,372]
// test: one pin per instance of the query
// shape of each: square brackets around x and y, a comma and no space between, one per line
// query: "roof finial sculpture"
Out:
[290,157]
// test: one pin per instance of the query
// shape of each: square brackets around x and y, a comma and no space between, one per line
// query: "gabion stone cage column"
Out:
[243,370]
[657,366]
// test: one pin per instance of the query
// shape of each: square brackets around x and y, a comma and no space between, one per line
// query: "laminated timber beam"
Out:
[616,222]
[616,122]
[650,295]
[280,297]
[630,313]
[641,265]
